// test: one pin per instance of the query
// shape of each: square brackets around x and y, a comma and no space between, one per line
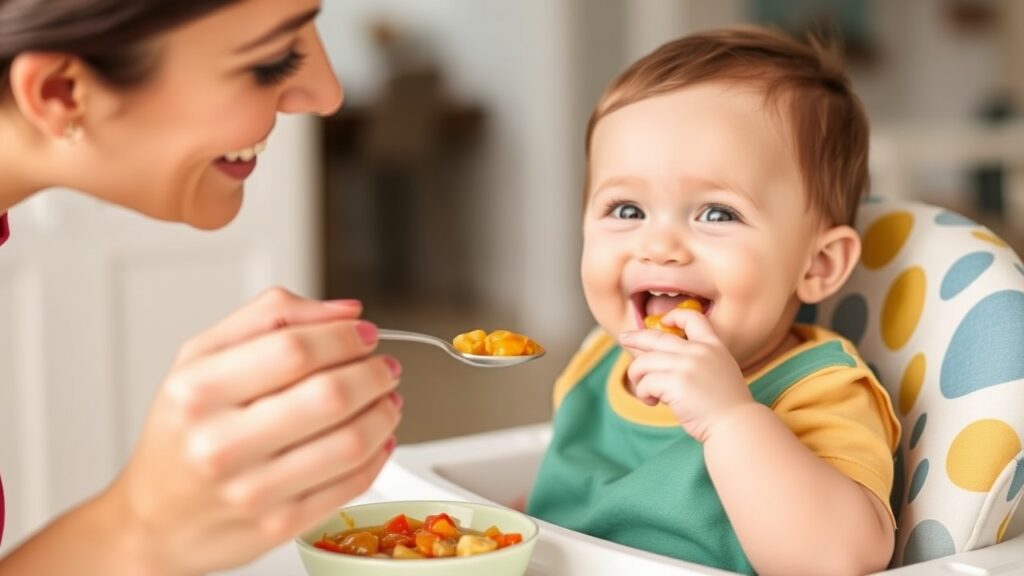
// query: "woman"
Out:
[280,412]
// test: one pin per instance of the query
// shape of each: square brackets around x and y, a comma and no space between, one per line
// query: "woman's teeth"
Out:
[670,294]
[246,154]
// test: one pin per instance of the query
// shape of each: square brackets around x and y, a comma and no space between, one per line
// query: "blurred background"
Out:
[446,194]
[453,173]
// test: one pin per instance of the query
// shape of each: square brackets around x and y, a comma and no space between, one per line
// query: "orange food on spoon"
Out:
[497,343]
[653,321]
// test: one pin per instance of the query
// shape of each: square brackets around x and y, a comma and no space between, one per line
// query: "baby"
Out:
[725,167]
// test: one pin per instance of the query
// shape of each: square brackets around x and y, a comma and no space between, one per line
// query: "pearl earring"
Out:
[72,133]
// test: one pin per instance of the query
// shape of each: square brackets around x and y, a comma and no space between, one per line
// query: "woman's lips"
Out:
[237,169]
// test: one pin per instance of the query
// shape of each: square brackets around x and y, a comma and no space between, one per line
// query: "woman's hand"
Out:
[697,377]
[266,423]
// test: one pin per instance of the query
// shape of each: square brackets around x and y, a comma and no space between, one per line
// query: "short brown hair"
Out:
[826,119]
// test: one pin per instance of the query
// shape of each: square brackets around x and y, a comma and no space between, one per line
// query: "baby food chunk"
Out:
[497,343]
[654,320]
[470,545]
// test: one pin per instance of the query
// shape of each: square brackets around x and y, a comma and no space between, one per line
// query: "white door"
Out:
[95,301]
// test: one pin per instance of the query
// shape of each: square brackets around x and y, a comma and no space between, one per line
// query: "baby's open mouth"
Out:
[651,302]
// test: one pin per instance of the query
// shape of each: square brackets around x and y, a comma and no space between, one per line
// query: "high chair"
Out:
[936,308]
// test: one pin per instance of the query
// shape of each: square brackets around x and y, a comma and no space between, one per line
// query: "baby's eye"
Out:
[718,214]
[626,211]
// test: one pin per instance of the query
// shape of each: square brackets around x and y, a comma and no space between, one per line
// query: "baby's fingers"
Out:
[655,362]
[643,341]
[656,387]
[696,325]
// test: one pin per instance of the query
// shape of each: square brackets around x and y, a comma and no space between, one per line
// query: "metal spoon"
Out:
[471,359]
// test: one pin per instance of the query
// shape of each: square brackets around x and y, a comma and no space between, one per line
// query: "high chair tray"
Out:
[500,466]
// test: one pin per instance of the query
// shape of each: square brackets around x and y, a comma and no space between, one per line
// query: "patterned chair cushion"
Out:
[936,308]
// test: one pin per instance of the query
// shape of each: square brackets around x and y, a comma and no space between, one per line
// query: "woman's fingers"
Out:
[267,363]
[240,438]
[338,453]
[271,310]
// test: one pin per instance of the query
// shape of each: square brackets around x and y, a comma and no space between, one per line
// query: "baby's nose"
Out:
[665,249]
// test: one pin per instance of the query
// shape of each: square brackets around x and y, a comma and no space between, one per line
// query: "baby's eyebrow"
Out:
[700,183]
[633,182]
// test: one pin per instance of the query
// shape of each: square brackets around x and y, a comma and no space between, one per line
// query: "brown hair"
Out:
[826,119]
[109,35]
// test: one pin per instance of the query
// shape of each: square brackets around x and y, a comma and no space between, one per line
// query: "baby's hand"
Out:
[697,378]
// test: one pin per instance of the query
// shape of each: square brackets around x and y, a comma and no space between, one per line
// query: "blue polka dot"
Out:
[927,541]
[851,317]
[917,482]
[963,272]
[986,347]
[918,429]
[898,483]
[953,219]
[1018,480]
[807,314]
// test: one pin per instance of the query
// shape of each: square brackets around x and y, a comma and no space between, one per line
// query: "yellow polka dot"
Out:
[902,308]
[1002,526]
[989,237]
[910,385]
[884,238]
[980,452]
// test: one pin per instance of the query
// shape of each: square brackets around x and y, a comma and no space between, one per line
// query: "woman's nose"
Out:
[316,88]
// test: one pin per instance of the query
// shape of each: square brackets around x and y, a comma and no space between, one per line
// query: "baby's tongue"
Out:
[662,304]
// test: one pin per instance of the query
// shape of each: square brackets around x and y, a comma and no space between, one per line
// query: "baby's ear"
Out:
[836,253]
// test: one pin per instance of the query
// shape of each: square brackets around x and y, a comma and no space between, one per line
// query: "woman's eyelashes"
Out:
[280,70]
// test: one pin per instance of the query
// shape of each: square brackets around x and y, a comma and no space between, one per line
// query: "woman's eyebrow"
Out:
[289,25]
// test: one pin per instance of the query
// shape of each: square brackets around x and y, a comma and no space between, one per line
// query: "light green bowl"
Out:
[510,561]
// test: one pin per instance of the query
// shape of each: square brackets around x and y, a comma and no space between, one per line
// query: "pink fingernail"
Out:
[394,366]
[368,332]
[396,399]
[348,303]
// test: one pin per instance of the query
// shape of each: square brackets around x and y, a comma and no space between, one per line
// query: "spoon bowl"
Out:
[471,359]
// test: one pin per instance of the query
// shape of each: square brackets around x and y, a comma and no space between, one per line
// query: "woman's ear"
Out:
[49,89]
[836,253]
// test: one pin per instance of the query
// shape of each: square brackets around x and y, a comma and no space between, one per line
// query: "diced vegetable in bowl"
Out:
[420,538]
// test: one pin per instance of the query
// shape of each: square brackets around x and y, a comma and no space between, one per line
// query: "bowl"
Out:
[510,561]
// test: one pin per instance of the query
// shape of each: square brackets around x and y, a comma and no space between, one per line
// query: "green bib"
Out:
[647,486]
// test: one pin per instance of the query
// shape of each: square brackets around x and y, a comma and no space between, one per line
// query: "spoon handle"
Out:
[406,336]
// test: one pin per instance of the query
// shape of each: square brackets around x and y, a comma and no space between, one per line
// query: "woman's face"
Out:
[179,146]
